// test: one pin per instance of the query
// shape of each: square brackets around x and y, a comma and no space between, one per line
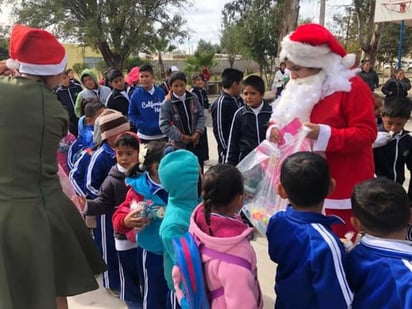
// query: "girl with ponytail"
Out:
[217,225]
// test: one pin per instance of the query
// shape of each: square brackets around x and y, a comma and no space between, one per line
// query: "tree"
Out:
[115,28]
[258,22]
[201,58]
[79,67]
[368,32]
[289,9]
[230,41]
[159,46]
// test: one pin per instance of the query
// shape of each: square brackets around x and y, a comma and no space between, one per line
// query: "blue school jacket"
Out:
[380,273]
[311,261]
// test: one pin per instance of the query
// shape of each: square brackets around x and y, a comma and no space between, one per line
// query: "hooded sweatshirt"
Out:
[179,175]
[100,92]
[231,236]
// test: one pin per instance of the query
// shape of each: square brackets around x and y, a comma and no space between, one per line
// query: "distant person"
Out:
[310,258]
[280,80]
[132,78]
[92,92]
[67,94]
[224,108]
[250,122]
[198,88]
[395,155]
[165,86]
[121,92]
[379,267]
[397,86]
[369,75]
[145,105]
[70,74]
[182,118]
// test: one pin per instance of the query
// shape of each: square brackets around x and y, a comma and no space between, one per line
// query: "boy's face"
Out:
[65,81]
[70,74]
[88,82]
[126,156]
[198,82]
[118,83]
[146,80]
[179,87]
[393,124]
[251,96]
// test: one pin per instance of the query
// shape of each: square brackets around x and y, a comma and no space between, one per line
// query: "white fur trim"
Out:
[337,204]
[304,55]
[43,69]
[12,64]
[323,139]
[349,60]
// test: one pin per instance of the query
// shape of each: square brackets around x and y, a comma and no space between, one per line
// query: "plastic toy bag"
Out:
[68,187]
[261,173]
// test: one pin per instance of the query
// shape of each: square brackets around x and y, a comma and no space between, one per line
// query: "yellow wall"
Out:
[76,54]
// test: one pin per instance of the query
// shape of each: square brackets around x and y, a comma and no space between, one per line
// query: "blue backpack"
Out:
[188,251]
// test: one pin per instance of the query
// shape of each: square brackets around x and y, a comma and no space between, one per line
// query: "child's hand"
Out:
[275,135]
[80,202]
[195,138]
[314,130]
[132,220]
[187,139]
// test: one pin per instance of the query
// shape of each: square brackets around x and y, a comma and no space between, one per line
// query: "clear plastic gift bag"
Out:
[261,173]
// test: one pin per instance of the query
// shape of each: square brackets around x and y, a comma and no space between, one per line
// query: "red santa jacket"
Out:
[347,136]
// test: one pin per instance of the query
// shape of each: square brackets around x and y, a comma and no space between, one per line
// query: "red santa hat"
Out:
[35,52]
[313,46]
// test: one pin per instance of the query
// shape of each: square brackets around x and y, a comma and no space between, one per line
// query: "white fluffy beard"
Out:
[298,99]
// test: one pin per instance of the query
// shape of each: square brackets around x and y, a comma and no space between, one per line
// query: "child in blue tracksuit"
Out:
[144,107]
[85,132]
[112,193]
[111,126]
[250,122]
[145,187]
[380,266]
[179,174]
[311,258]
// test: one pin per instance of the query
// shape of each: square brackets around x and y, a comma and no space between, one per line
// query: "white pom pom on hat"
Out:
[314,46]
[35,52]
[12,64]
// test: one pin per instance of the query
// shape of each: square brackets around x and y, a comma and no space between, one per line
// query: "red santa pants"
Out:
[342,229]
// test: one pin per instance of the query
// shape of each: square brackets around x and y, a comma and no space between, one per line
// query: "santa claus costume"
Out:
[340,102]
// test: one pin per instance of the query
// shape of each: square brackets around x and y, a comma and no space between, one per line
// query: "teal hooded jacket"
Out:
[179,175]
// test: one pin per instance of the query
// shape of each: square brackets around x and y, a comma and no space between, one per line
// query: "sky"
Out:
[204,18]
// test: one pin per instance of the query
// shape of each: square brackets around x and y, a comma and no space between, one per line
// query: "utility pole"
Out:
[322,12]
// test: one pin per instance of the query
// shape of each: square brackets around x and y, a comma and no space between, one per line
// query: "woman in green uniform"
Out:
[46,252]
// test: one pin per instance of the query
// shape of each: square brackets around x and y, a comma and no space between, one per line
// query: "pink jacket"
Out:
[241,287]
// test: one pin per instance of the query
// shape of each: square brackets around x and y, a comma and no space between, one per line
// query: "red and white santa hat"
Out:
[313,46]
[35,52]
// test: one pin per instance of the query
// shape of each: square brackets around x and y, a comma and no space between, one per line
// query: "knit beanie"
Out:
[112,125]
